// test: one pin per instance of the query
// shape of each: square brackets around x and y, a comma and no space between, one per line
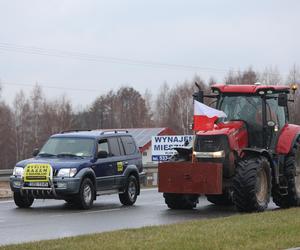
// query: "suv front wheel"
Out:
[128,198]
[86,194]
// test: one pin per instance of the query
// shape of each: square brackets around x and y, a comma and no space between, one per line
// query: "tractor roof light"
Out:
[261,92]
[294,87]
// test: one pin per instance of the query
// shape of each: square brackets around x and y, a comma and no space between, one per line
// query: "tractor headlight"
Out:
[18,171]
[217,154]
[67,172]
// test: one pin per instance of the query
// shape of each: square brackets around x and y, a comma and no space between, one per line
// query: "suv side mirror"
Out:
[282,100]
[102,154]
[35,152]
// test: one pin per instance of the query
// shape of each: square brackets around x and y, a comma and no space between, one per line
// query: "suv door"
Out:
[131,156]
[104,167]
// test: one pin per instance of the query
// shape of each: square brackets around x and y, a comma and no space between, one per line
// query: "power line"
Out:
[8,47]
[46,86]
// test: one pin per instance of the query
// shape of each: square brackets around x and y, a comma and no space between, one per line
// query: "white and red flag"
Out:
[205,116]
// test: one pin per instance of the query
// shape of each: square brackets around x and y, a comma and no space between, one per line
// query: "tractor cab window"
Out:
[249,109]
[276,113]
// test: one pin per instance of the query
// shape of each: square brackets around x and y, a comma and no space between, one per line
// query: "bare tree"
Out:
[270,76]
[294,78]
[7,138]
[238,77]
[22,125]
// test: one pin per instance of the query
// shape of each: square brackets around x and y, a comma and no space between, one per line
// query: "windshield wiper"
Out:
[68,155]
[46,155]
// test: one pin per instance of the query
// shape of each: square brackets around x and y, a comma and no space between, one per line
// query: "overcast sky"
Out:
[143,37]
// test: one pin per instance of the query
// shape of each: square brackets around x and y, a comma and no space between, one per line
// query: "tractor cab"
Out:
[263,109]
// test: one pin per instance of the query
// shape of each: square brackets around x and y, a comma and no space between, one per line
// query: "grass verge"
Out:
[278,229]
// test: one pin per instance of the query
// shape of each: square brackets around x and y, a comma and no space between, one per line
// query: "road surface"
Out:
[49,219]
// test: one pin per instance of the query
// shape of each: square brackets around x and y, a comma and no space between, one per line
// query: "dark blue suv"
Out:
[76,166]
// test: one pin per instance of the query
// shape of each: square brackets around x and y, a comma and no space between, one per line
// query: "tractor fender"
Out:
[258,152]
[265,153]
[287,138]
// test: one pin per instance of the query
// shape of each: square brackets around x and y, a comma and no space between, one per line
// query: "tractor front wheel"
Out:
[252,185]
[181,201]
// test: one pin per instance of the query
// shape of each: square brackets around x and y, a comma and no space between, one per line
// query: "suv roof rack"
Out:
[114,131]
[74,130]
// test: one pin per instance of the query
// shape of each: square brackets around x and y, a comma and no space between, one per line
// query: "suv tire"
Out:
[128,198]
[86,194]
[23,201]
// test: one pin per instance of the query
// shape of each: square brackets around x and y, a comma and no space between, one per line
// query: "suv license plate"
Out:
[38,184]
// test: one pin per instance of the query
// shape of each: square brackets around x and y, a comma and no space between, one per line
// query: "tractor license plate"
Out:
[38,184]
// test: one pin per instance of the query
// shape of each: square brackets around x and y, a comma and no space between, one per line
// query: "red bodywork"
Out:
[248,89]
[286,138]
[200,177]
[236,132]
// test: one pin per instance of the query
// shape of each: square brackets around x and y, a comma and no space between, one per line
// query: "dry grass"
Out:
[278,229]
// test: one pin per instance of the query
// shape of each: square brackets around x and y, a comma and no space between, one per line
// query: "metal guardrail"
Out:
[5,173]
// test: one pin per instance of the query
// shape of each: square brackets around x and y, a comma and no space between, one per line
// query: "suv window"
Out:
[114,146]
[103,146]
[129,145]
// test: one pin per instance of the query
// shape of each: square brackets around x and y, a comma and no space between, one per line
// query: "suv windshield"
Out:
[80,147]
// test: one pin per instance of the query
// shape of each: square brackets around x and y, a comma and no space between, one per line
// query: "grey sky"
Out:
[212,34]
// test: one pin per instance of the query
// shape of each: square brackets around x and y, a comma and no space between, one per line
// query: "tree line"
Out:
[30,120]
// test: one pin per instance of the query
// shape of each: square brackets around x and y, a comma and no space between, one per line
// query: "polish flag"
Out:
[205,116]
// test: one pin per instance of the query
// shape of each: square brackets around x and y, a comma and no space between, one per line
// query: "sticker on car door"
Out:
[120,166]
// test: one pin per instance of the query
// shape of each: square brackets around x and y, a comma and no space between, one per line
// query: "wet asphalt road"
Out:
[55,219]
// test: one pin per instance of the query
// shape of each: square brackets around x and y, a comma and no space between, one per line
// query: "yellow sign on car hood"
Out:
[37,172]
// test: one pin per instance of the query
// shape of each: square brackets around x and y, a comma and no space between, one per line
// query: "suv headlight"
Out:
[67,172]
[18,171]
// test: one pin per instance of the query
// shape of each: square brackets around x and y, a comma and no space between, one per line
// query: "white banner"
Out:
[162,146]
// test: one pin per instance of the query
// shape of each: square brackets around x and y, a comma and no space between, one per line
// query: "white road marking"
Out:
[9,201]
[149,189]
[88,212]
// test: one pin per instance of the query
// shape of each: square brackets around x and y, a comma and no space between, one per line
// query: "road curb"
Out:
[5,193]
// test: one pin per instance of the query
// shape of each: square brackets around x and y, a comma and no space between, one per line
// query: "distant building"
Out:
[143,138]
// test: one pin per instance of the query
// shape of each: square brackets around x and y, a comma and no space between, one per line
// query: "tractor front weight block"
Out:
[190,178]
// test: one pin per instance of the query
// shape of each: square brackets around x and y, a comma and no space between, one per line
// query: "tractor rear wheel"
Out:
[292,177]
[181,201]
[220,199]
[252,185]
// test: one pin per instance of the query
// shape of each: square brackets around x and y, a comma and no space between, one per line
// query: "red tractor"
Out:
[244,159]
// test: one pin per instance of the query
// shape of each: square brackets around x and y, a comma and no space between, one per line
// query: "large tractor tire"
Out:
[181,201]
[292,178]
[252,185]
[220,199]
